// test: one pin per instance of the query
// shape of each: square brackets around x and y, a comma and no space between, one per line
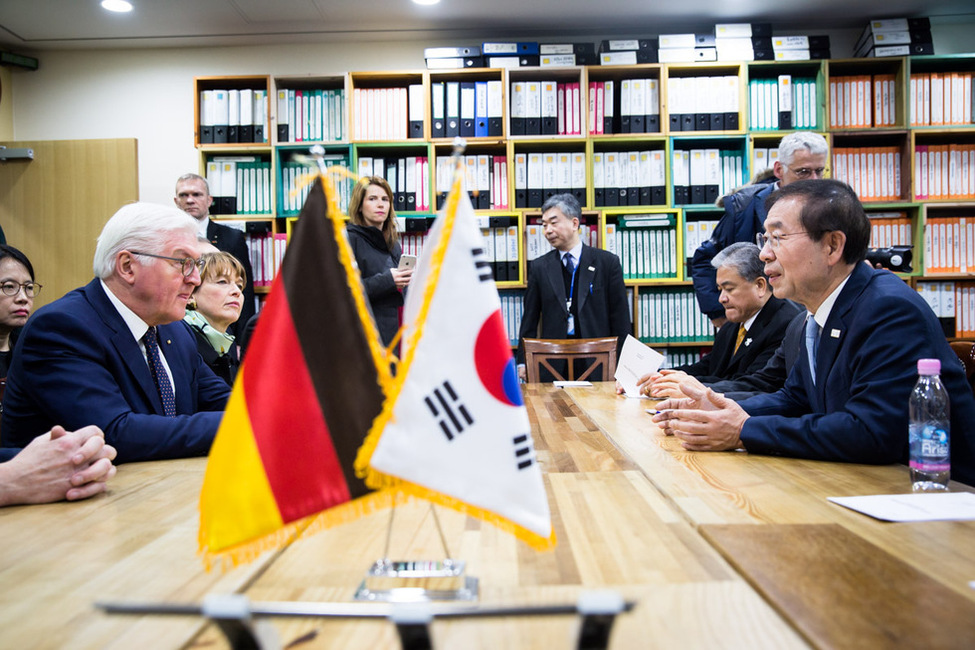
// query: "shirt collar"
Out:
[822,314]
[576,253]
[202,226]
[136,325]
[748,323]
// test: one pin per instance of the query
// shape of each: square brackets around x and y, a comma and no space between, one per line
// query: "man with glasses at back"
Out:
[802,156]
[115,352]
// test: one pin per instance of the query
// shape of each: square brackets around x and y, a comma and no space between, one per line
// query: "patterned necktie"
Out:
[158,372]
[741,337]
[812,344]
[569,267]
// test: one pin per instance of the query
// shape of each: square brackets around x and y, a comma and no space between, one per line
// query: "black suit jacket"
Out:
[772,377]
[601,296]
[758,347]
[233,241]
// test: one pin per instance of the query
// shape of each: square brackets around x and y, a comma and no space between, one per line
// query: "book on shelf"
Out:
[941,98]
[667,315]
[380,113]
[306,115]
[949,244]
[944,172]
[232,116]
[874,173]
[890,229]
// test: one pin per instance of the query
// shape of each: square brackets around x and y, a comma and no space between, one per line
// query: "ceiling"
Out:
[37,25]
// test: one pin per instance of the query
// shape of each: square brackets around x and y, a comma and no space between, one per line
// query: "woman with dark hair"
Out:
[372,235]
[214,307]
[17,291]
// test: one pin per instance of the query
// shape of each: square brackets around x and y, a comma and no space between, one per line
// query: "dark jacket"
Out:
[758,347]
[744,217]
[223,365]
[600,305]
[375,260]
[772,377]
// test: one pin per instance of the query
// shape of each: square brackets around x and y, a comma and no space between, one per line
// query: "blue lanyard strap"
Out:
[572,286]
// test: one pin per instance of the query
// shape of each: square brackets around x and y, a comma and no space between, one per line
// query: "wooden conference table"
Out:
[720,550]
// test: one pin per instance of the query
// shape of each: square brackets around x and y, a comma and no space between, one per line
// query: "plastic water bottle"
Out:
[929,429]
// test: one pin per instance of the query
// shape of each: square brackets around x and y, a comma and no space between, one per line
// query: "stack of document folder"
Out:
[895,37]
[448,58]
[743,41]
[510,54]
[800,48]
[628,52]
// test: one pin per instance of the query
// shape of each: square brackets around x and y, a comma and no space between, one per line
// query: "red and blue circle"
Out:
[494,363]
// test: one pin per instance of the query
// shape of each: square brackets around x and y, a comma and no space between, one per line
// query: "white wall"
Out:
[148,94]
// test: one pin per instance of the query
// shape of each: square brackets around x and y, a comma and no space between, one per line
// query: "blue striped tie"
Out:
[158,372]
[812,344]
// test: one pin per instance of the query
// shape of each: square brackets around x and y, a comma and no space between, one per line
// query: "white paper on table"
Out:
[563,384]
[932,506]
[636,360]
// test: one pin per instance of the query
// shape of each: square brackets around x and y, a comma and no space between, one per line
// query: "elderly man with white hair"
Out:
[115,353]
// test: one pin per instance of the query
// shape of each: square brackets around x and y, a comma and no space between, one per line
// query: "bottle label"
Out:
[930,467]
[930,451]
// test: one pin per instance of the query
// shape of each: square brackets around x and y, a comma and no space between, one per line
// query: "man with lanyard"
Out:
[575,290]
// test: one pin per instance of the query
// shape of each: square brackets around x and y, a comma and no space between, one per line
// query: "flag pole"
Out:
[318,153]
[457,155]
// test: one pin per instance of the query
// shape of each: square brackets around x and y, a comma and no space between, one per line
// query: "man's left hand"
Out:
[703,421]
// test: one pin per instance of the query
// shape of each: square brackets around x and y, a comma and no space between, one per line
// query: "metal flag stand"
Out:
[414,581]
[236,617]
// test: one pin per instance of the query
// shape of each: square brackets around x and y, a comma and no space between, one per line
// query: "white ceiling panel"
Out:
[36,25]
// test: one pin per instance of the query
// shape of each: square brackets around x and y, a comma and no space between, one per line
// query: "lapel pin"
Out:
[834,334]
[748,342]
[592,268]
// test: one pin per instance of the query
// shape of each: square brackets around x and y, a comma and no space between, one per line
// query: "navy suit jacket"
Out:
[77,364]
[230,240]
[601,311]
[771,377]
[759,345]
[857,411]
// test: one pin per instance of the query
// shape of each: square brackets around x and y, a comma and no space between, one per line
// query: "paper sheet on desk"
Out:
[563,384]
[913,507]
[636,360]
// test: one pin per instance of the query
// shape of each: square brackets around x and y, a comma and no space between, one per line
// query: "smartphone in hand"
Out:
[406,262]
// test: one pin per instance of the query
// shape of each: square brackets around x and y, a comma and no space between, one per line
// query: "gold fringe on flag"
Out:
[381,481]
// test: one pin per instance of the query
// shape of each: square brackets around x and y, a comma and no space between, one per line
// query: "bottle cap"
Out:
[929,366]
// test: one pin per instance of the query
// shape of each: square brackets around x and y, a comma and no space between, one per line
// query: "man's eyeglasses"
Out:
[775,239]
[809,172]
[31,289]
[186,264]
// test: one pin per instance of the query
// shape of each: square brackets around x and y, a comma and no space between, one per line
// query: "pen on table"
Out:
[656,412]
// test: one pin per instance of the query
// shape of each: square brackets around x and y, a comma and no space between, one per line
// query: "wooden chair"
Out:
[600,353]
[966,352]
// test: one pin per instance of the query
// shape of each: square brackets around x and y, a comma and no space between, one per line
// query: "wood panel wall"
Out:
[54,206]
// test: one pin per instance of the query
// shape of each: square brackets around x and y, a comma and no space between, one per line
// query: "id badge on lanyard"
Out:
[571,325]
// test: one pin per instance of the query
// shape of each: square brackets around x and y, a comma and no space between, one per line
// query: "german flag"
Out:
[312,382]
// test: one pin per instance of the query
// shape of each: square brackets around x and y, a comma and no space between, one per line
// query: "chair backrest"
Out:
[966,352]
[600,353]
